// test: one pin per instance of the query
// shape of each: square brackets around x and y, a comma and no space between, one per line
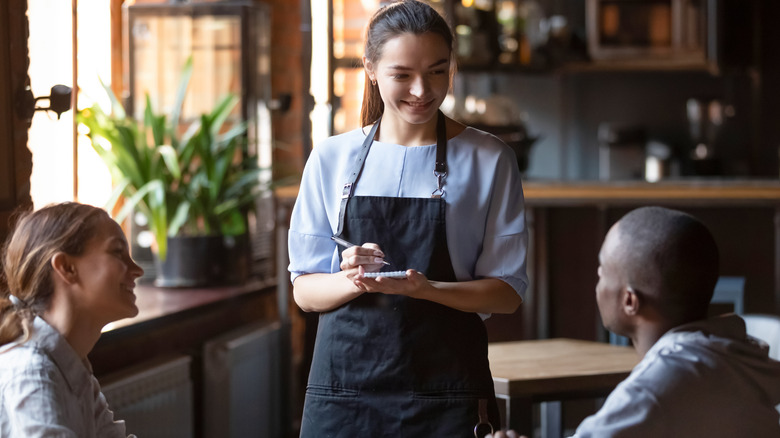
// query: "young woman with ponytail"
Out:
[440,202]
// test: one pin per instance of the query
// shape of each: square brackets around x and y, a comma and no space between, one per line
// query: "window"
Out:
[51,62]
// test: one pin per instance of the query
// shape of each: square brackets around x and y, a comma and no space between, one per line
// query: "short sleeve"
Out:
[309,245]
[505,243]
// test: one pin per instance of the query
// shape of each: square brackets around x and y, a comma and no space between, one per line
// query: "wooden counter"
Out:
[700,192]
[704,191]
[155,302]
[179,321]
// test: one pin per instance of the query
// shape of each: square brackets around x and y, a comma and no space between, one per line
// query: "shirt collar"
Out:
[76,371]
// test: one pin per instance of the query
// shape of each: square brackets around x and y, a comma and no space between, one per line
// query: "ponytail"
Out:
[15,320]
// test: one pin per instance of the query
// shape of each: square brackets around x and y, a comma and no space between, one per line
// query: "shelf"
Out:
[639,65]
[577,67]
[685,192]
[573,67]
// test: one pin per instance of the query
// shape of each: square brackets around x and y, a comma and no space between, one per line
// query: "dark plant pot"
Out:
[199,261]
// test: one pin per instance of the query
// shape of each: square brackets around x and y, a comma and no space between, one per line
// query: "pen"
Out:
[346,244]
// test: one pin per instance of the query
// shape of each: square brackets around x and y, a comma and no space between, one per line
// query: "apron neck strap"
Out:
[349,186]
[441,144]
[440,170]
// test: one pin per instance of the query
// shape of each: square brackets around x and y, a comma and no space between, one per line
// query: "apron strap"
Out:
[349,186]
[441,144]
[440,170]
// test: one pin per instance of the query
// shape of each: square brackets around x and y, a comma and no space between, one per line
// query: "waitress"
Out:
[406,357]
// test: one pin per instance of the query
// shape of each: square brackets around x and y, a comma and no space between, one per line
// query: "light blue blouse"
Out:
[486,231]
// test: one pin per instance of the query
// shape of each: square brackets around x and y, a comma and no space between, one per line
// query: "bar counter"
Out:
[699,191]
[706,191]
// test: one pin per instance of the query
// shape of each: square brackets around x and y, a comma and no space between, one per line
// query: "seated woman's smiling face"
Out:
[106,275]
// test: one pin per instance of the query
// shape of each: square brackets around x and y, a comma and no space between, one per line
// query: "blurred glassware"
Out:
[533,29]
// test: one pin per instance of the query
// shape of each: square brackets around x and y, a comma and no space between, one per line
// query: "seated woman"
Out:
[69,273]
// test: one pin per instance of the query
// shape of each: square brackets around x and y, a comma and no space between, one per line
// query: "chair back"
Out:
[766,328]
[730,290]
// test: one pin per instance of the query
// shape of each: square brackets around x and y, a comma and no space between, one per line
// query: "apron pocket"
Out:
[330,391]
[450,414]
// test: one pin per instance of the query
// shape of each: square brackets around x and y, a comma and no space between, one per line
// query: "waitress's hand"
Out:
[410,285]
[369,257]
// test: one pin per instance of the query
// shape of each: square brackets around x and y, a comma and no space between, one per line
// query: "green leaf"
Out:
[171,159]
[116,107]
[156,123]
[179,218]
[181,93]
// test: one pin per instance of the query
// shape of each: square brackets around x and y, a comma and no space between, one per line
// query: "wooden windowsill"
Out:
[157,302]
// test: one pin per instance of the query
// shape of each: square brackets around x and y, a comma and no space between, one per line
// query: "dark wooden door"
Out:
[15,158]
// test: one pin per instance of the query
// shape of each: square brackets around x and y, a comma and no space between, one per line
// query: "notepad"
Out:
[391,274]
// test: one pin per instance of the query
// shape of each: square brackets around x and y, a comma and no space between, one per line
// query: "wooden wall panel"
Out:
[15,158]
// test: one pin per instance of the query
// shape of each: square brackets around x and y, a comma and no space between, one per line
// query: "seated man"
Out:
[698,377]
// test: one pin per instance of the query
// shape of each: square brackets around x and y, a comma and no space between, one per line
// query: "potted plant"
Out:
[194,188]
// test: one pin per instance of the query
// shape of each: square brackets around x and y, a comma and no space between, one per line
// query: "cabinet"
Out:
[179,346]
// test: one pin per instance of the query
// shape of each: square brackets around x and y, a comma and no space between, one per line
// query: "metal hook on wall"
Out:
[59,101]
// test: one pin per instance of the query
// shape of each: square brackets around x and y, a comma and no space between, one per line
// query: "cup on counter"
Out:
[658,161]
[621,151]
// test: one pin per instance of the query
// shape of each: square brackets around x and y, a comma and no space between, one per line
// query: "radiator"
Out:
[243,384]
[155,399]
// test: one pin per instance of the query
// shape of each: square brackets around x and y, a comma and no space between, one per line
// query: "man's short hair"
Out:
[671,258]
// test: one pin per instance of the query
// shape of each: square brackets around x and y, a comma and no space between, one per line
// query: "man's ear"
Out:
[63,267]
[631,301]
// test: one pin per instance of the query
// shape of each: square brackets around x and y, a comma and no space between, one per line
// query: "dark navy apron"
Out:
[394,366]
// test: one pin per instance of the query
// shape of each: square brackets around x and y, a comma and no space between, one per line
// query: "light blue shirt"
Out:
[486,231]
[46,390]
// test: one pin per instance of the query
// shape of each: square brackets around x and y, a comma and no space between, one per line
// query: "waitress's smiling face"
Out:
[413,76]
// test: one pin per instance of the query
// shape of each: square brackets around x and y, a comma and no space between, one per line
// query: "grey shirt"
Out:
[46,390]
[704,379]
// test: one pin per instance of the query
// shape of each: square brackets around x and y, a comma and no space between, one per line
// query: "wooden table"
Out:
[552,370]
